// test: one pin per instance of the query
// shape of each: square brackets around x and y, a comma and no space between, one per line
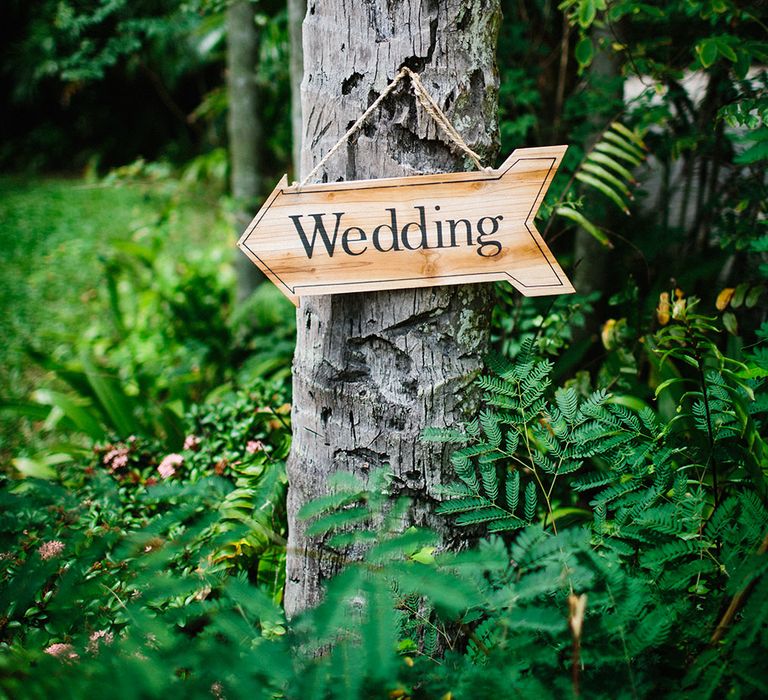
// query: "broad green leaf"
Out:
[757,152]
[610,149]
[588,226]
[738,295]
[753,297]
[610,178]
[601,186]
[424,556]
[624,144]
[584,51]
[632,402]
[82,414]
[725,49]
[114,402]
[609,162]
[667,383]
[631,135]
[34,468]
[27,409]
[587,12]
[707,52]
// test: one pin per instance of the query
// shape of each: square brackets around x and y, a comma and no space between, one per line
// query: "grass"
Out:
[54,236]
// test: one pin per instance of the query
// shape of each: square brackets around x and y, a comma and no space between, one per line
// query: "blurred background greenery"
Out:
[131,357]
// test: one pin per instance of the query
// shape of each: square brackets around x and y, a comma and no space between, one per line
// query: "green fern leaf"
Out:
[490,480]
[568,403]
[490,425]
[530,501]
[443,435]
[481,515]
[512,490]
[461,505]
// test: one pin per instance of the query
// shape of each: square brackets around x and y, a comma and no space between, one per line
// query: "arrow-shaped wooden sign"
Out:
[419,231]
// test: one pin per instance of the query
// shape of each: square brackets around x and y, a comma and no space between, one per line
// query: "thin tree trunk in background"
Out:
[244,130]
[372,370]
[296,11]
[590,255]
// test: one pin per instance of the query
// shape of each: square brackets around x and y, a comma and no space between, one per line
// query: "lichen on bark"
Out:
[372,370]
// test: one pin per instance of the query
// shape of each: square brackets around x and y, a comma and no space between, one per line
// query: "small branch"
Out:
[562,72]
[736,602]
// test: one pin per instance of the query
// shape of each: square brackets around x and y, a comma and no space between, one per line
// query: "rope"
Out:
[427,102]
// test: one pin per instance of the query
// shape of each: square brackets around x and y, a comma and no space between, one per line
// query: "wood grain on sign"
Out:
[418,231]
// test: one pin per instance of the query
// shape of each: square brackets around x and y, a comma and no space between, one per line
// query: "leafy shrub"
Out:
[616,564]
[78,548]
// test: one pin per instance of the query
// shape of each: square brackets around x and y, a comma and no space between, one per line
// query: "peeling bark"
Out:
[372,370]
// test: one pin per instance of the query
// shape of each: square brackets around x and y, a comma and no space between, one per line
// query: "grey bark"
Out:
[244,129]
[296,11]
[372,370]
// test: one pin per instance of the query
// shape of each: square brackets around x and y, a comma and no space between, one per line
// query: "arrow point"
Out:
[556,152]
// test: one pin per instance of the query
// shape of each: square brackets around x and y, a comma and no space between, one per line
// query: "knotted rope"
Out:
[430,107]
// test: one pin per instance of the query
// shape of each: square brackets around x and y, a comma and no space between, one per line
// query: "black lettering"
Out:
[481,233]
[439,227]
[421,225]
[393,231]
[345,240]
[329,244]
[452,226]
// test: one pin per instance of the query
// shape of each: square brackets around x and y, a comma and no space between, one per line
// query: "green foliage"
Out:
[623,596]
[55,234]
[160,336]
[616,523]
[80,545]
[605,169]
[678,528]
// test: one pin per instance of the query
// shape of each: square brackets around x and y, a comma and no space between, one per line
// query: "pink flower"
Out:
[116,458]
[191,442]
[99,637]
[62,651]
[254,446]
[49,550]
[168,466]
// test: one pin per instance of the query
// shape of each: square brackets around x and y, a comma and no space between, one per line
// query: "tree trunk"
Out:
[296,11]
[372,370]
[244,130]
[591,256]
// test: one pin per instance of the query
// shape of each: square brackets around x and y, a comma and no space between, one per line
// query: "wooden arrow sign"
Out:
[419,231]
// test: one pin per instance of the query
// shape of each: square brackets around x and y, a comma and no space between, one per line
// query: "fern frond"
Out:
[659,556]
[490,424]
[481,515]
[461,505]
[490,480]
[568,403]
[592,481]
[495,385]
[447,435]
[506,524]
[512,490]
[512,440]
[530,501]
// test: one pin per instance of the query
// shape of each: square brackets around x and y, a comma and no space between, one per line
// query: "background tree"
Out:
[371,370]
[244,128]
[296,11]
